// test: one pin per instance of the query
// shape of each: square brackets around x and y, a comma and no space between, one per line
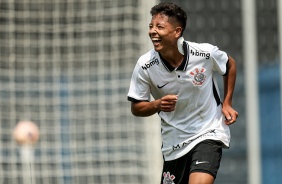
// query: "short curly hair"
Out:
[172,11]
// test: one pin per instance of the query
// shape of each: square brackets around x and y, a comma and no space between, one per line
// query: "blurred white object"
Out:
[180,45]
[26,133]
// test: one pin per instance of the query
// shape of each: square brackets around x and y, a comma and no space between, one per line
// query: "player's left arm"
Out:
[229,85]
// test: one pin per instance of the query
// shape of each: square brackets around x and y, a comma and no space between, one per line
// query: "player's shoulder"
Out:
[149,57]
[205,47]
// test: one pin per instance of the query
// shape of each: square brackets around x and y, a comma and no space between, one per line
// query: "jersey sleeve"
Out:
[220,59]
[139,89]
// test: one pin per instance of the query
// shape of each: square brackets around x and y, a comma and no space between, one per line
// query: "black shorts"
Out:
[204,157]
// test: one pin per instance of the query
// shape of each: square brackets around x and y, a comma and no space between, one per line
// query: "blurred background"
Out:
[66,65]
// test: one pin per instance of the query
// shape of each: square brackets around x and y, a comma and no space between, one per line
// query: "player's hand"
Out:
[230,114]
[168,102]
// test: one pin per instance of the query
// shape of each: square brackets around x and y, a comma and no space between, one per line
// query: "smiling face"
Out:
[164,33]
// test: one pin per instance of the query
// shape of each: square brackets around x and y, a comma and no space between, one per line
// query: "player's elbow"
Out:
[135,111]
[139,109]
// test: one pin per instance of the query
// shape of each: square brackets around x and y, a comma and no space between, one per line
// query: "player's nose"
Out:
[152,32]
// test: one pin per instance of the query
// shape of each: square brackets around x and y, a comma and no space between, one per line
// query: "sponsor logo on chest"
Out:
[205,55]
[150,63]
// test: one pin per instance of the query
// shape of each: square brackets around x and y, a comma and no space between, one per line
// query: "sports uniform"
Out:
[197,119]
[197,115]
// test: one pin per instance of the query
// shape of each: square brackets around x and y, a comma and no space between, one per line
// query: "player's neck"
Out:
[173,58]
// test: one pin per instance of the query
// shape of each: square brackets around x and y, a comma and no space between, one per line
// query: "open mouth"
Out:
[156,41]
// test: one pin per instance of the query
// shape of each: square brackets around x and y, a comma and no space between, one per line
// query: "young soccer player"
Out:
[179,74]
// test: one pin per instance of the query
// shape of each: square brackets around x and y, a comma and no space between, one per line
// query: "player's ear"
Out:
[178,31]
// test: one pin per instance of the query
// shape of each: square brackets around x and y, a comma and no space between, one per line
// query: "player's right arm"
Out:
[145,108]
[139,92]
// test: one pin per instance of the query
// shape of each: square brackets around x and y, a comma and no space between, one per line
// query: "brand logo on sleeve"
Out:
[150,63]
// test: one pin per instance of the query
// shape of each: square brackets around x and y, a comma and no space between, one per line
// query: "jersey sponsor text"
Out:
[150,63]
[201,54]
[185,143]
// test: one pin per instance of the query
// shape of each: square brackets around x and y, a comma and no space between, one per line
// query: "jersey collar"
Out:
[183,65]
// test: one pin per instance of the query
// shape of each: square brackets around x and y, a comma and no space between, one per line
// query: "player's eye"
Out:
[160,27]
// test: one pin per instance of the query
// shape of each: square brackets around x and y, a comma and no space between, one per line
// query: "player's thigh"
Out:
[200,178]
[176,171]
[206,157]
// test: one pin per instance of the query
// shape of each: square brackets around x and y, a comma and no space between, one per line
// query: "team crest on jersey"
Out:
[199,76]
[168,179]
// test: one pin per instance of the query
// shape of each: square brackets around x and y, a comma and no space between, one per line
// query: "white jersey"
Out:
[197,115]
